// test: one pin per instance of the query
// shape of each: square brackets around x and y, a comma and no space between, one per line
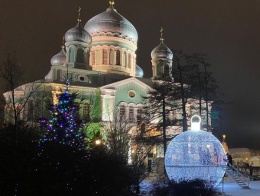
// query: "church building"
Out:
[100,56]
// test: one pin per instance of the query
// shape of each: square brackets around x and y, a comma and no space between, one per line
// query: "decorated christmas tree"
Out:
[63,126]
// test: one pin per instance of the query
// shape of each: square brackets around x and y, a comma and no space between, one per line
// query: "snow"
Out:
[231,188]
[227,188]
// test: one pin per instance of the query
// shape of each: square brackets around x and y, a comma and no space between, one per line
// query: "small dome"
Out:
[161,52]
[111,21]
[78,33]
[59,59]
[138,71]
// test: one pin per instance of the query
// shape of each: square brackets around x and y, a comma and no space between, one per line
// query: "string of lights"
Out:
[63,126]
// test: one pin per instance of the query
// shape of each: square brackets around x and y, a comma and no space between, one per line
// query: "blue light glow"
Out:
[62,127]
[195,155]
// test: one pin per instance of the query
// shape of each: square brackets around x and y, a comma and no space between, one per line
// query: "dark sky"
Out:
[227,30]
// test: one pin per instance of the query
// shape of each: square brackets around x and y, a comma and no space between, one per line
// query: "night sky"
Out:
[227,30]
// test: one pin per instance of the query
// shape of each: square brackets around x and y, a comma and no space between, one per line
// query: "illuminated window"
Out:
[122,112]
[111,57]
[105,57]
[9,113]
[139,114]
[93,57]
[85,110]
[118,59]
[131,114]
[99,57]
[126,59]
[129,61]
[171,117]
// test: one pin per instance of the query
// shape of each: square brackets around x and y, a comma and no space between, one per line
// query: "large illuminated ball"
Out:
[195,155]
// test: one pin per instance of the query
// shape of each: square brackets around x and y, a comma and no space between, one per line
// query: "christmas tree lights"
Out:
[63,127]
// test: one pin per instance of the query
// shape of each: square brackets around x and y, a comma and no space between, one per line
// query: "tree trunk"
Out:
[183,100]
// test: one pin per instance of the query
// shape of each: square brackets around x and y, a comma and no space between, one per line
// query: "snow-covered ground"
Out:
[228,188]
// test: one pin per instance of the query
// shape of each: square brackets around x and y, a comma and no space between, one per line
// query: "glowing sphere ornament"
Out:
[195,154]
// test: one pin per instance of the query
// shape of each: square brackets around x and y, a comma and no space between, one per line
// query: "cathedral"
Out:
[100,56]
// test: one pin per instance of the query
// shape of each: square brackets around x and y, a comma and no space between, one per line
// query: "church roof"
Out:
[139,71]
[59,59]
[78,33]
[111,21]
[161,52]
[147,81]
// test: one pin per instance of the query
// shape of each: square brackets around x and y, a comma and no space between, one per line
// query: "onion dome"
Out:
[161,51]
[111,21]
[78,33]
[59,59]
[139,71]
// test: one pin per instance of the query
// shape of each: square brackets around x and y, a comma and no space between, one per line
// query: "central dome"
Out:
[111,21]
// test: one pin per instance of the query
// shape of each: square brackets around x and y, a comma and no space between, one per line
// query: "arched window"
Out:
[118,59]
[129,61]
[99,57]
[139,114]
[9,113]
[131,114]
[160,68]
[105,57]
[80,55]
[126,59]
[71,55]
[85,110]
[111,57]
[93,57]
[122,112]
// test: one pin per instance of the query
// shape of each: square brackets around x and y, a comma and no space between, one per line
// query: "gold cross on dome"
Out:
[63,42]
[161,34]
[111,3]
[79,14]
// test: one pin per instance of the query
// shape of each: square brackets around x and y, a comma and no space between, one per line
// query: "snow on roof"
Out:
[255,158]
[238,150]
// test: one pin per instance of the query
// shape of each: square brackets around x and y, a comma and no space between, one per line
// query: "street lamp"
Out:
[98,141]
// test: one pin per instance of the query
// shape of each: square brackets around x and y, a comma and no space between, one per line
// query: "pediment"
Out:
[124,83]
